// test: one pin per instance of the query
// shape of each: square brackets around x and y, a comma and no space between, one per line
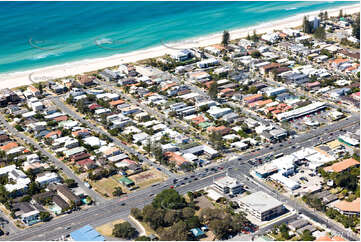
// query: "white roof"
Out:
[94,141]
[47,177]
[290,184]
[7,169]
[260,201]
[212,194]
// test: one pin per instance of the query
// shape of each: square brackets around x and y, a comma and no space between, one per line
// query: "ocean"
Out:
[39,34]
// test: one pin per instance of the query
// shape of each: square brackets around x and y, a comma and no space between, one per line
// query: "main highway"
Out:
[113,209]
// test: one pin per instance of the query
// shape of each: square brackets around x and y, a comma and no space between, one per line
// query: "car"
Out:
[122,204]
[195,178]
[159,169]
[67,228]
[185,178]
[171,187]
[151,194]
[192,176]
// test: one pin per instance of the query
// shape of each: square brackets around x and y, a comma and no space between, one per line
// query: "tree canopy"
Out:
[124,230]
[225,38]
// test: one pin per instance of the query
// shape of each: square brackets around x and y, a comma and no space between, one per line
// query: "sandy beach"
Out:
[16,79]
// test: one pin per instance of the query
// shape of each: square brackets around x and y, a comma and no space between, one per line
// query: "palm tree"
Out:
[225,38]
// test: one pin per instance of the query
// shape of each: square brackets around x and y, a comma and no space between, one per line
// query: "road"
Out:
[100,214]
[117,141]
[111,210]
[180,125]
[69,173]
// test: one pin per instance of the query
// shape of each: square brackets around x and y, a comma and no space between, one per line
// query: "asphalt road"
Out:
[117,141]
[69,173]
[100,214]
[110,210]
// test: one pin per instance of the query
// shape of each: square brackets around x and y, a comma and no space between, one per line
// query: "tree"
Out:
[70,183]
[320,33]
[213,90]
[177,232]
[340,14]
[307,236]
[356,28]
[256,54]
[248,37]
[187,212]
[254,36]
[34,188]
[321,16]
[44,216]
[306,25]
[136,213]
[117,192]
[171,217]
[142,238]
[325,15]
[284,231]
[225,38]
[170,199]
[124,230]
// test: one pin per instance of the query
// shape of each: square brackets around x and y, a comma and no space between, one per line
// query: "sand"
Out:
[16,79]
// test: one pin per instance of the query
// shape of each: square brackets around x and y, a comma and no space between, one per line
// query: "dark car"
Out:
[122,204]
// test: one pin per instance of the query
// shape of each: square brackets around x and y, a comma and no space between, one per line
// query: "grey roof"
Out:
[260,201]
[298,224]
[309,227]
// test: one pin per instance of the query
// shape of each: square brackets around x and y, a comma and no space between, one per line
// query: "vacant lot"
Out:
[107,229]
[147,178]
[107,186]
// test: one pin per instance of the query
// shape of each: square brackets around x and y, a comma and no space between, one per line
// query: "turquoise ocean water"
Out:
[39,34]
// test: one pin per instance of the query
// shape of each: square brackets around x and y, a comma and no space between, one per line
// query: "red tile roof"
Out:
[342,165]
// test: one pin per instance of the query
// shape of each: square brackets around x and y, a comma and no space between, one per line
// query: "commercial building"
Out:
[86,233]
[261,205]
[228,185]
[286,182]
[311,108]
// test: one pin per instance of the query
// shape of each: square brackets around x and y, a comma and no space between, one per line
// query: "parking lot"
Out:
[311,121]
[306,179]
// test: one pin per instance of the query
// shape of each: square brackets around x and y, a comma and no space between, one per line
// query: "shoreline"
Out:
[21,78]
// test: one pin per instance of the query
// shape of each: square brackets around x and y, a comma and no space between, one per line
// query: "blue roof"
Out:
[86,233]
[197,232]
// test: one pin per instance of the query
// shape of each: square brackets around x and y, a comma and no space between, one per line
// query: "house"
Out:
[252,98]
[312,85]
[9,146]
[86,80]
[207,63]
[67,195]
[175,158]
[48,178]
[342,165]
[217,112]
[267,68]
[74,151]
[221,130]
[182,55]
[31,217]
[34,91]
[349,208]
[87,164]
[108,75]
